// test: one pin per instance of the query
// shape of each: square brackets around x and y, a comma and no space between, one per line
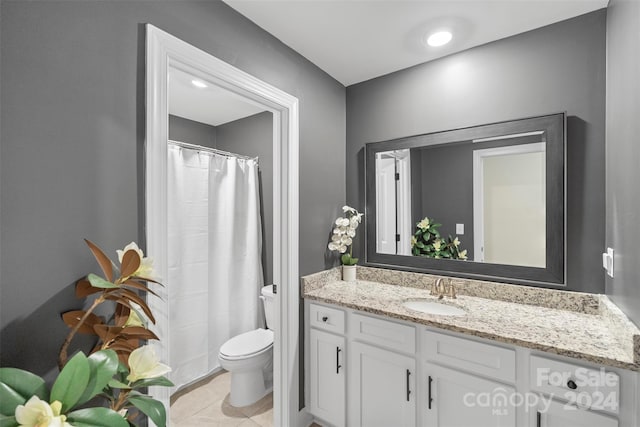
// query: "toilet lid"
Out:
[248,343]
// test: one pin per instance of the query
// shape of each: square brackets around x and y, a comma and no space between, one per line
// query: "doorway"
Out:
[165,52]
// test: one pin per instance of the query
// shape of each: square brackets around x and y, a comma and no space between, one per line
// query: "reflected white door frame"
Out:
[163,51]
[386,204]
[393,202]
[479,190]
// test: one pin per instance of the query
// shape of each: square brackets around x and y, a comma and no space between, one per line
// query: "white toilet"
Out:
[249,358]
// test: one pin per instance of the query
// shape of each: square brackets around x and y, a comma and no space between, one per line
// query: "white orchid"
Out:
[145,270]
[337,246]
[463,254]
[456,242]
[342,222]
[38,413]
[144,364]
[344,232]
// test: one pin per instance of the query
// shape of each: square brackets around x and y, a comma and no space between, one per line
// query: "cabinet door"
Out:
[456,399]
[555,414]
[381,388]
[327,400]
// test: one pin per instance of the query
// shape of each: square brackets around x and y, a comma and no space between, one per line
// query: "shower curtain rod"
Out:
[211,150]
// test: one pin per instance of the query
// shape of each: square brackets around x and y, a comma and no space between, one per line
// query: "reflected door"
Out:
[393,202]
[510,206]
[386,204]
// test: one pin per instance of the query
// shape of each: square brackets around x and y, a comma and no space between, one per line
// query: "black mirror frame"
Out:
[553,275]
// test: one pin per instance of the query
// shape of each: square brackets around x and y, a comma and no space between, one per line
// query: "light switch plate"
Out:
[459,229]
[607,261]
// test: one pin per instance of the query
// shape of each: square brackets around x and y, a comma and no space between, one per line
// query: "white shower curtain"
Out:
[215,250]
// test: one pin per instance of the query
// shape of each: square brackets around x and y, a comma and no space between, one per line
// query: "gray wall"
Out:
[185,130]
[446,177]
[557,68]
[253,136]
[72,84]
[623,153]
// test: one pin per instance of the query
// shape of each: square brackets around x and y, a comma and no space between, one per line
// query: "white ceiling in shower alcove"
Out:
[212,104]
[357,40]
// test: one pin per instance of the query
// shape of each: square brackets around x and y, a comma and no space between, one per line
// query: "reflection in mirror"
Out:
[486,200]
[393,198]
[509,204]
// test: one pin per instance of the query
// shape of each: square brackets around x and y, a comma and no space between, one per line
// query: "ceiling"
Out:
[212,104]
[357,40]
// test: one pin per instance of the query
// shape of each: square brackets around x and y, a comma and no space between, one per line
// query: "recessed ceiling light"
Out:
[198,83]
[439,39]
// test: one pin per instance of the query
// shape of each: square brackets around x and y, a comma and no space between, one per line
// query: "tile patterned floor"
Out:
[208,405]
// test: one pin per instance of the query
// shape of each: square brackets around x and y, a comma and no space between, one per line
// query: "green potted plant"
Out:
[427,242]
[106,388]
[344,232]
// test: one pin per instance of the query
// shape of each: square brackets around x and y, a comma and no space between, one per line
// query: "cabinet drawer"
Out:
[581,386]
[551,413]
[384,333]
[474,357]
[329,319]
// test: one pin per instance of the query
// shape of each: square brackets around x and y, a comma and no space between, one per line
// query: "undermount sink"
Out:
[432,307]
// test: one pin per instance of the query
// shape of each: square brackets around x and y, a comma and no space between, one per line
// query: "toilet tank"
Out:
[269,301]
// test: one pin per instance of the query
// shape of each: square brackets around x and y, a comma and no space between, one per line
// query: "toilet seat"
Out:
[247,344]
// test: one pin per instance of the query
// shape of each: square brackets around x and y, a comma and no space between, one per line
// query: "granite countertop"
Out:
[602,335]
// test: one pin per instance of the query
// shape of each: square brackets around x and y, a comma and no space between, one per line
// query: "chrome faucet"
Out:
[439,289]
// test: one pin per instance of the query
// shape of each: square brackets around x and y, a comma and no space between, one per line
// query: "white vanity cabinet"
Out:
[575,395]
[467,383]
[382,373]
[369,371]
[559,414]
[382,387]
[327,364]
[458,399]
[327,377]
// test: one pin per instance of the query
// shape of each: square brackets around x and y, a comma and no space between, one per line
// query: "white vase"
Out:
[349,273]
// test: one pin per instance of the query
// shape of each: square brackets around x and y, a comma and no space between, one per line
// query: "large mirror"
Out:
[480,202]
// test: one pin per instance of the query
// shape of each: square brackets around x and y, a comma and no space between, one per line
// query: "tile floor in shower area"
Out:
[207,404]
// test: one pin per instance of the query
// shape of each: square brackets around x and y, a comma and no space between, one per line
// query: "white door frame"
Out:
[164,50]
[478,187]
